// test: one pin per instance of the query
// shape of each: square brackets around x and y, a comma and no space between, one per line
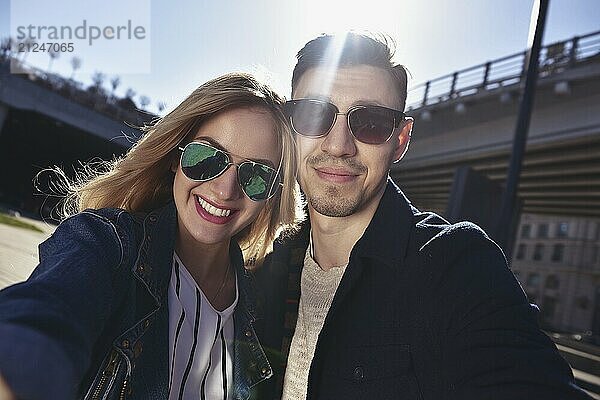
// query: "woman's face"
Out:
[212,212]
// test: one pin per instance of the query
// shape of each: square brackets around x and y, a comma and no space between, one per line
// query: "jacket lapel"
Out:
[385,240]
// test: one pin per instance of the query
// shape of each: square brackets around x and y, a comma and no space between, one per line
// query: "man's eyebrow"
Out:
[217,145]
[321,97]
[360,102]
[370,103]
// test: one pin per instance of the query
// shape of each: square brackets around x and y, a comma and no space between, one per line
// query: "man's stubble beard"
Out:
[332,203]
[331,200]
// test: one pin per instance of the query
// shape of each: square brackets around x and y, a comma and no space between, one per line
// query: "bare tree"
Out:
[53,56]
[27,44]
[129,93]
[144,101]
[75,65]
[6,47]
[161,105]
[98,79]
[114,83]
[127,101]
[96,87]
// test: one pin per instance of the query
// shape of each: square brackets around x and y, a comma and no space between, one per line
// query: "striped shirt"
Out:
[200,341]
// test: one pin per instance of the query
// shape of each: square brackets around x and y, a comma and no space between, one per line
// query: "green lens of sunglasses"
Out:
[257,180]
[201,162]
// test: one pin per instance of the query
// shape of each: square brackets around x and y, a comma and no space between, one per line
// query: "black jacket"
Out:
[425,310]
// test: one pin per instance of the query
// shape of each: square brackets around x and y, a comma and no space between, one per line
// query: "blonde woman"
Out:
[143,292]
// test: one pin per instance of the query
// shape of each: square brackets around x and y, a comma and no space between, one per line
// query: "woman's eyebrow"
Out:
[217,145]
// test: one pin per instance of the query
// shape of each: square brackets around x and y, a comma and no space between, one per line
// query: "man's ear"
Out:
[404,134]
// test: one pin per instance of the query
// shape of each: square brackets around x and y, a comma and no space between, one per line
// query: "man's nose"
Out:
[339,142]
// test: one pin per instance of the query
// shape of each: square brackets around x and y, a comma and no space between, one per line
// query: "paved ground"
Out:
[19,251]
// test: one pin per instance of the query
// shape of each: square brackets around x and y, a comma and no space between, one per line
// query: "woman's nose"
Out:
[225,186]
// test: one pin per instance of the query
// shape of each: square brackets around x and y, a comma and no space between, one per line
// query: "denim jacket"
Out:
[92,320]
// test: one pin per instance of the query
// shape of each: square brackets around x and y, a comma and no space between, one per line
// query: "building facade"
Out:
[557,261]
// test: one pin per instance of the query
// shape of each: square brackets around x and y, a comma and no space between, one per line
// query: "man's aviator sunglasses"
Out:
[202,162]
[369,124]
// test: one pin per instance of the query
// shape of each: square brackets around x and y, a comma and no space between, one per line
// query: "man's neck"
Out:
[334,237]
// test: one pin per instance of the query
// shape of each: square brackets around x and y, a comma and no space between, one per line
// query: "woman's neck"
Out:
[206,262]
[210,267]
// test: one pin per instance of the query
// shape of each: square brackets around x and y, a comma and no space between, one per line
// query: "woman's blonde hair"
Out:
[142,180]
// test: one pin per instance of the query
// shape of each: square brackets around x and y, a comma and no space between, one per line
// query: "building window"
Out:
[594,254]
[521,251]
[548,308]
[562,229]
[542,231]
[526,231]
[533,279]
[558,251]
[552,282]
[582,302]
[538,252]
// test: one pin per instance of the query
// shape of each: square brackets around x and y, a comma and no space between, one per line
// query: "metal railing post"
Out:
[573,52]
[486,74]
[426,93]
[453,86]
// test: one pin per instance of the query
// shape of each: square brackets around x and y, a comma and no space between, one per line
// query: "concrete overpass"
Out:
[47,120]
[469,117]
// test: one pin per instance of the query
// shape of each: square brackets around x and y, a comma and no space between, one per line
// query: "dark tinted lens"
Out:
[371,124]
[201,162]
[312,118]
[257,180]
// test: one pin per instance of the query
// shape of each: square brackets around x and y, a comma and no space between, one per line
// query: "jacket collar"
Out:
[155,253]
[387,235]
[155,257]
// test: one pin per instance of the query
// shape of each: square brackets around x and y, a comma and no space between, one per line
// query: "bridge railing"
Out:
[504,71]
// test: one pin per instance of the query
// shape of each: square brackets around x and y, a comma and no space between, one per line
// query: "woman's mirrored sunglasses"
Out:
[202,162]
[369,124]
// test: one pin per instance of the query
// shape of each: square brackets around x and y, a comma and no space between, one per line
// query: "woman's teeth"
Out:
[217,212]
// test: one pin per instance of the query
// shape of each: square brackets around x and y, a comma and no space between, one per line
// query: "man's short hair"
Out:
[358,49]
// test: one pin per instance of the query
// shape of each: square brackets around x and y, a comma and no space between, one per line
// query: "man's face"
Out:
[339,175]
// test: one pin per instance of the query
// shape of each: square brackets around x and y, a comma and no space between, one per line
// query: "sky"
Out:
[188,42]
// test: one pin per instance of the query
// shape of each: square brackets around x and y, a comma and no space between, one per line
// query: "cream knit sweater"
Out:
[317,288]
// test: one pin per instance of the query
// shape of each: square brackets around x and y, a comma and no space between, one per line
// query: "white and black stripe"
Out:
[193,351]
[224,365]
[203,386]
[200,350]
[179,323]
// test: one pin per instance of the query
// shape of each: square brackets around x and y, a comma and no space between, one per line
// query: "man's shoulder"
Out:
[427,228]
[432,229]
[440,241]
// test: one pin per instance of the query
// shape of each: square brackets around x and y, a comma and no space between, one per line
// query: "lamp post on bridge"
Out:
[503,232]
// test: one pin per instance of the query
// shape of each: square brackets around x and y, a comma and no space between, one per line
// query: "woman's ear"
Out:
[174,164]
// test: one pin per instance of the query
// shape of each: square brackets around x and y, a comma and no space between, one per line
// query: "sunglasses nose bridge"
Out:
[346,115]
[335,117]
[339,141]
[224,186]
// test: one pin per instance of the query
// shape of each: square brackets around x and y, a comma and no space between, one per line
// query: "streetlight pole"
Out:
[503,231]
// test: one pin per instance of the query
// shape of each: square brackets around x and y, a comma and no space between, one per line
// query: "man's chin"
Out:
[336,206]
